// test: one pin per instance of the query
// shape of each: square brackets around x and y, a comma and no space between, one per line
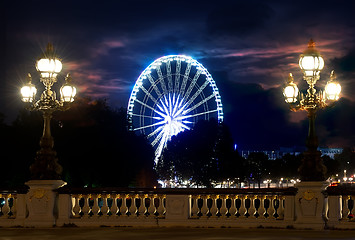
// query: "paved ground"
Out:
[130,233]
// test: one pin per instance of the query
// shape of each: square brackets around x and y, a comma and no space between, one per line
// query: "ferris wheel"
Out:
[170,96]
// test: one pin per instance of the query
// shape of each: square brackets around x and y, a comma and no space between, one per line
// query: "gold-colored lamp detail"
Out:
[332,89]
[291,90]
[28,91]
[311,62]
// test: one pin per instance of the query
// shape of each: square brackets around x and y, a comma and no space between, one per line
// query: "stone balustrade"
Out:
[268,207]
[12,207]
[341,210]
[188,207]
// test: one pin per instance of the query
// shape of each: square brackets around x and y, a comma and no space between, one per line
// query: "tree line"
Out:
[92,142]
[96,149]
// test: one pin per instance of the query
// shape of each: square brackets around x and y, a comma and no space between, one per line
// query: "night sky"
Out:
[249,47]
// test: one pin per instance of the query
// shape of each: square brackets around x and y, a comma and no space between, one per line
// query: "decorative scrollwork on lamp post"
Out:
[311,63]
[46,166]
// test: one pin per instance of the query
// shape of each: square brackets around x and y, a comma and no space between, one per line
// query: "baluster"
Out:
[114,208]
[160,209]
[6,207]
[86,208]
[155,203]
[351,210]
[261,209]
[14,205]
[194,208]
[125,208]
[223,210]
[281,208]
[233,209]
[104,208]
[214,210]
[77,208]
[270,210]
[1,215]
[133,208]
[142,209]
[95,208]
[204,209]
[276,205]
[164,204]
[146,201]
[242,210]
[345,208]
[247,206]
[252,209]
[128,208]
[137,201]
[151,208]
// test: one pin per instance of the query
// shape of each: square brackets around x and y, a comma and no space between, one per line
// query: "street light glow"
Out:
[311,63]
[46,165]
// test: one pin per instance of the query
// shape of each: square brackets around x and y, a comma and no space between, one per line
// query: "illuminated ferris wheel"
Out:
[171,95]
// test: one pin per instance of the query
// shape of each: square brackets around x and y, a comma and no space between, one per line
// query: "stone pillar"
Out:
[21,210]
[310,204]
[42,202]
[289,211]
[334,206]
[65,206]
[177,210]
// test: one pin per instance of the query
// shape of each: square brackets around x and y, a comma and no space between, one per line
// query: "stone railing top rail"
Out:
[344,189]
[180,191]
[20,190]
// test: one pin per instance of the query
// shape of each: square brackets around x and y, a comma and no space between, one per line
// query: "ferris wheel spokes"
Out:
[195,115]
[198,104]
[186,76]
[170,97]
[161,80]
[198,92]
[177,75]
[156,89]
[192,84]
[146,105]
[148,94]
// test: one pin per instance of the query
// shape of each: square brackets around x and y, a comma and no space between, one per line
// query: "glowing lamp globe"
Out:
[290,91]
[332,91]
[67,91]
[311,62]
[28,92]
[49,65]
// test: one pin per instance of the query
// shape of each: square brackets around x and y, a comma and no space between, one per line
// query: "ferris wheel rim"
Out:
[158,61]
[165,98]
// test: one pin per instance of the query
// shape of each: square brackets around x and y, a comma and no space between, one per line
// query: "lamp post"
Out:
[311,63]
[46,165]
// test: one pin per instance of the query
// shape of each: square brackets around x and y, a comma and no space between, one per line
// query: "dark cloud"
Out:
[258,118]
[336,124]
[238,18]
[248,46]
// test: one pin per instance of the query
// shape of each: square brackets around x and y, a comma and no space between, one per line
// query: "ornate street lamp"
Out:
[46,165]
[311,63]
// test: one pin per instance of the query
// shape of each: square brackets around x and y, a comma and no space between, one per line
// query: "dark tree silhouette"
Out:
[93,145]
[202,155]
[346,160]
[257,163]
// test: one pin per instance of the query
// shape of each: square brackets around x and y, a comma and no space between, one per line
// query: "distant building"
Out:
[275,154]
[330,151]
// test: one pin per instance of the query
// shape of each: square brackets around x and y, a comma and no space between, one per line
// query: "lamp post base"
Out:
[310,204]
[46,166]
[312,167]
[41,202]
